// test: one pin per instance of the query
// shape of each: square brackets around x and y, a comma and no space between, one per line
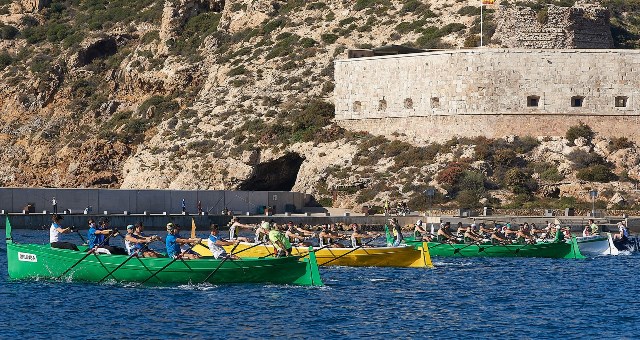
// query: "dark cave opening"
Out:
[277,175]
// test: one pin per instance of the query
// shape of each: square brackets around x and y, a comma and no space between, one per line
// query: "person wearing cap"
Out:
[280,241]
[96,235]
[397,232]
[559,235]
[102,239]
[262,232]
[136,243]
[215,244]
[56,230]
[173,241]
[419,232]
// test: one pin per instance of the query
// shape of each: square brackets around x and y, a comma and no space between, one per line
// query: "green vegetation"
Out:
[577,131]
[194,32]
[596,173]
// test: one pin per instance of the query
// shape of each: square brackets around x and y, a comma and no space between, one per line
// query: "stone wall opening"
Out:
[357,106]
[533,101]
[277,175]
[435,102]
[621,101]
[382,105]
[408,103]
[577,101]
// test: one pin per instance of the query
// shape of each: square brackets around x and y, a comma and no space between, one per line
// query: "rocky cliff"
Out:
[212,94]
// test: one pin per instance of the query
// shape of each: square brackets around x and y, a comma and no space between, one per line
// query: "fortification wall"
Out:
[490,92]
[581,26]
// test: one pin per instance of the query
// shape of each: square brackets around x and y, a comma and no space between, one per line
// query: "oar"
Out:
[457,250]
[91,251]
[123,262]
[221,263]
[179,256]
[313,251]
[350,251]
[78,232]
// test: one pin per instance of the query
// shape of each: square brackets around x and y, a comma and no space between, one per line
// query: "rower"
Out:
[235,225]
[216,243]
[484,231]
[280,241]
[498,237]
[357,236]
[326,238]
[470,236]
[173,242]
[96,236]
[295,236]
[445,235]
[103,226]
[524,236]
[593,226]
[136,242]
[262,232]
[420,233]
[623,232]
[54,234]
[586,231]
[559,235]
[397,232]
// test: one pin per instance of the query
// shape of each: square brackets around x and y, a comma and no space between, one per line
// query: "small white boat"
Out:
[596,245]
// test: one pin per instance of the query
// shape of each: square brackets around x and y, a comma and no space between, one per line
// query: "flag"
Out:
[193,228]
[488,2]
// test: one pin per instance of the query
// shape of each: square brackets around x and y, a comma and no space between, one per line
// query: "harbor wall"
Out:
[75,201]
[434,96]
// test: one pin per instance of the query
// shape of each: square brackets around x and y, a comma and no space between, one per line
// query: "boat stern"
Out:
[312,274]
[425,258]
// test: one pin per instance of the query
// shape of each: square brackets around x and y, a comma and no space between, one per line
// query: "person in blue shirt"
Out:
[96,236]
[173,242]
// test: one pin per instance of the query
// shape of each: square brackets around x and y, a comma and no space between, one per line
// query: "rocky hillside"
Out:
[237,94]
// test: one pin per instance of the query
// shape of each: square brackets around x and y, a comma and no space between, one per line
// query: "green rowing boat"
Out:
[40,261]
[561,250]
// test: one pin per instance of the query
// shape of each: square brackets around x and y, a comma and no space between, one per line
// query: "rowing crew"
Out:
[526,234]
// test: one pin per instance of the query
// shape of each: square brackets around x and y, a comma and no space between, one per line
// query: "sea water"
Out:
[461,298]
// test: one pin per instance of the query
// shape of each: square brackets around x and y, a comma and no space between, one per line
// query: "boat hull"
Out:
[548,250]
[362,257]
[597,245]
[35,261]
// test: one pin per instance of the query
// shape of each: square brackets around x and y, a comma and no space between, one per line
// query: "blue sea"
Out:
[461,298]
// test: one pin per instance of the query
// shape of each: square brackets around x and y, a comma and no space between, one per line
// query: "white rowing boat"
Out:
[596,245]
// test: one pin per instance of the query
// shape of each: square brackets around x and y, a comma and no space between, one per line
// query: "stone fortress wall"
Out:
[433,96]
[583,25]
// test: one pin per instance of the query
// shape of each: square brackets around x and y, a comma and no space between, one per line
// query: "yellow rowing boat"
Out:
[403,256]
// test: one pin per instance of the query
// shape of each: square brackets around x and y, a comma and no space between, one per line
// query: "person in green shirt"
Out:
[280,241]
[559,234]
[594,227]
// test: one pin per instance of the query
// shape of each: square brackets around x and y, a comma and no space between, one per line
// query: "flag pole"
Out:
[481,5]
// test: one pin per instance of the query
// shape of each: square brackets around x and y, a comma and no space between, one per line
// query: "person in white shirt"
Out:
[215,244]
[56,230]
